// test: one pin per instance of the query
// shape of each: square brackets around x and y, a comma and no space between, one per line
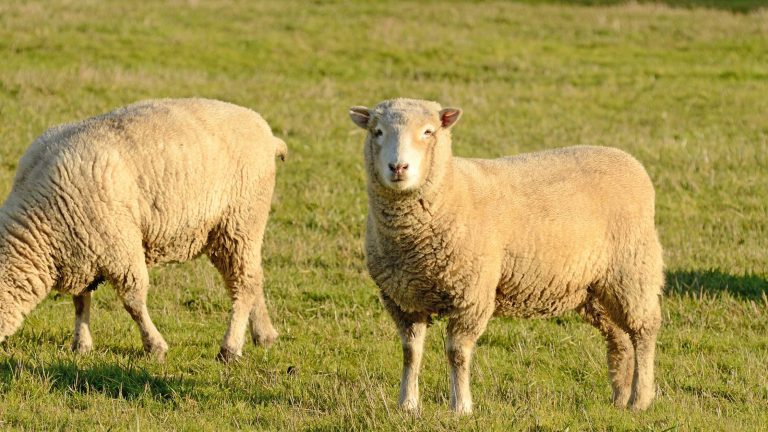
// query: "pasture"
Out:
[682,85]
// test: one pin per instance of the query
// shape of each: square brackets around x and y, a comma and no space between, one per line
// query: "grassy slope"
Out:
[683,90]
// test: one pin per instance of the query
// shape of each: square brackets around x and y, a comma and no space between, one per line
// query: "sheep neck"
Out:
[26,245]
[405,219]
[25,269]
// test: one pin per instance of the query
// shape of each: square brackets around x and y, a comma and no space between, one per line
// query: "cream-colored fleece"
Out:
[150,183]
[532,235]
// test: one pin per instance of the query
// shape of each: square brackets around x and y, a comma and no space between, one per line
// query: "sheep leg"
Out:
[263,332]
[640,316]
[412,337]
[459,350]
[639,307]
[644,340]
[245,291]
[621,364]
[460,343]
[413,331]
[132,289]
[232,344]
[239,262]
[83,342]
[621,353]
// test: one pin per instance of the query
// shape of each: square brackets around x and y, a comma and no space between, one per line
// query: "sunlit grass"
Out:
[683,89]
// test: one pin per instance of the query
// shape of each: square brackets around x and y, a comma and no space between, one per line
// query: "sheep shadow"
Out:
[698,282]
[128,383]
[739,6]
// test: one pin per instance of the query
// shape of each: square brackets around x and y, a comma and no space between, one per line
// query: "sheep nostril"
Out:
[399,168]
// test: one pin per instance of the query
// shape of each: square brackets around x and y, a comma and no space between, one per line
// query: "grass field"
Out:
[685,89]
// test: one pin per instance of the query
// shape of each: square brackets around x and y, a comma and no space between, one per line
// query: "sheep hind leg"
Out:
[640,306]
[132,289]
[640,317]
[241,291]
[82,342]
[263,333]
[643,335]
[241,268]
[621,353]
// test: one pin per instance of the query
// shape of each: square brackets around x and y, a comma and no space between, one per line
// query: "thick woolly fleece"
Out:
[150,183]
[533,235]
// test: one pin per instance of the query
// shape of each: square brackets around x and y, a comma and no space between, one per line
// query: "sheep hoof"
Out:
[462,409]
[265,339]
[158,356]
[157,351]
[227,356]
[621,403]
[639,406]
[621,398]
[463,412]
[81,347]
[410,407]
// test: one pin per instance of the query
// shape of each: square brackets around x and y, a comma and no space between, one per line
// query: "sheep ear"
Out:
[449,116]
[360,115]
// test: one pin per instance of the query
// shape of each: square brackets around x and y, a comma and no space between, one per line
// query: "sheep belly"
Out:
[179,230]
[537,292]
[536,301]
[419,293]
[181,248]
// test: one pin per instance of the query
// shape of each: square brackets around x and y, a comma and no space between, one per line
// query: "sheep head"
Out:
[405,138]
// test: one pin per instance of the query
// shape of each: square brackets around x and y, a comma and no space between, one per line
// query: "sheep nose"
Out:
[398,169]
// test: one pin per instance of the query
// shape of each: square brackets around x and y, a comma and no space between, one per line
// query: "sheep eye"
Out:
[429,132]
[378,133]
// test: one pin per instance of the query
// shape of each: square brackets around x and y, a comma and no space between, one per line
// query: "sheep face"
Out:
[402,137]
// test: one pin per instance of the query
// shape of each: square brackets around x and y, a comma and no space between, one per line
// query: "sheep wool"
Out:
[155,182]
[533,235]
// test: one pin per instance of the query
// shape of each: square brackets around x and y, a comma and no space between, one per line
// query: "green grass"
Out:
[728,5]
[683,89]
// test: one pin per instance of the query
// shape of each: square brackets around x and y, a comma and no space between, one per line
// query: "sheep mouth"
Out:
[399,183]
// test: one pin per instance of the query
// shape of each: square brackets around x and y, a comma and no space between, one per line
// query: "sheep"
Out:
[154,182]
[534,235]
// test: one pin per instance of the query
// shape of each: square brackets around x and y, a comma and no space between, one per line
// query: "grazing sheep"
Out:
[533,235]
[154,182]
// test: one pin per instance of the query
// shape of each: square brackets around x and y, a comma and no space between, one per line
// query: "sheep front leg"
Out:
[83,342]
[463,333]
[132,289]
[412,337]
[153,341]
[412,328]
[459,350]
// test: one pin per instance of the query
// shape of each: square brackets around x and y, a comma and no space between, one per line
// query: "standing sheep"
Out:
[533,235]
[154,182]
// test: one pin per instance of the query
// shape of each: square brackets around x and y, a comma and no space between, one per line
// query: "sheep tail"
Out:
[281,149]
